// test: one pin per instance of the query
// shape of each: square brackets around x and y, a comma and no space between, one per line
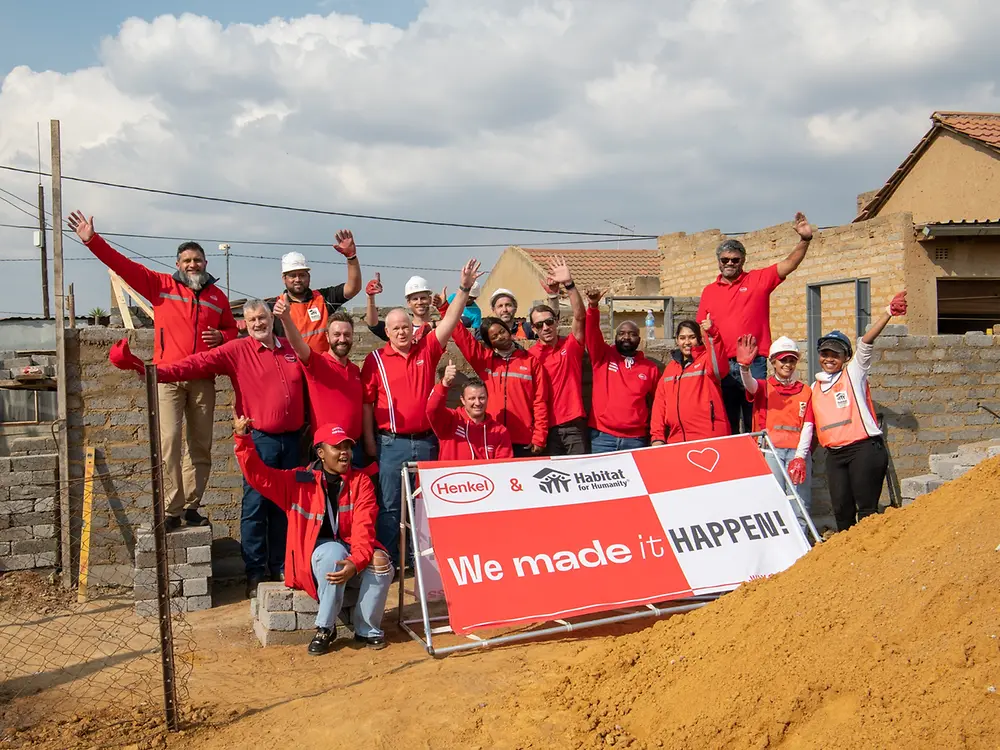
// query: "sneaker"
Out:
[322,642]
[194,518]
[172,523]
[374,642]
[253,580]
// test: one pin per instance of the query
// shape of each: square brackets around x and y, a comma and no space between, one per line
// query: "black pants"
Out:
[855,474]
[569,439]
[734,396]
[522,451]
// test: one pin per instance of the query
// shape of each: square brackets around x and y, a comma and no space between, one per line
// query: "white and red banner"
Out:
[532,540]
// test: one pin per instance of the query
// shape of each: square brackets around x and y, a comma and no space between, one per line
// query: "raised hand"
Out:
[281,308]
[559,272]
[470,273]
[83,226]
[706,324]
[550,286]
[898,304]
[374,287]
[802,226]
[449,374]
[440,300]
[345,244]
[241,425]
[746,350]
[594,296]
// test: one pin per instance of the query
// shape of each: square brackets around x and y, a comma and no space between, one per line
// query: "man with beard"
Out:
[268,382]
[417,292]
[311,308]
[190,314]
[623,381]
[740,304]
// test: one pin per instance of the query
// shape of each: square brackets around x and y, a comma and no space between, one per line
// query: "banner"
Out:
[532,540]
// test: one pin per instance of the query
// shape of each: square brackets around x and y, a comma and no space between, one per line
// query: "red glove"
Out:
[374,286]
[746,350]
[345,244]
[898,305]
[123,358]
[797,470]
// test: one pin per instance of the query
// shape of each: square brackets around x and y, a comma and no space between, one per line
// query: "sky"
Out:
[570,115]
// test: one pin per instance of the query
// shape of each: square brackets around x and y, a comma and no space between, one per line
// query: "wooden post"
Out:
[62,436]
[44,247]
[88,509]
[71,307]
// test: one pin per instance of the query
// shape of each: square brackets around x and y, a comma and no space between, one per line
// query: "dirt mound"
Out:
[27,592]
[885,636]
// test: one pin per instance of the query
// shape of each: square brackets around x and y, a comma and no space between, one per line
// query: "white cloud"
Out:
[535,112]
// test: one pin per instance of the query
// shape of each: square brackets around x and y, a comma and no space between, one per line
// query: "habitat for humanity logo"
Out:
[554,481]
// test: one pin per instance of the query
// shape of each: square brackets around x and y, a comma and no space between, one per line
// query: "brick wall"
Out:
[28,505]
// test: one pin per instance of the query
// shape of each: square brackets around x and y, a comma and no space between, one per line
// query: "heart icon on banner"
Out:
[706,458]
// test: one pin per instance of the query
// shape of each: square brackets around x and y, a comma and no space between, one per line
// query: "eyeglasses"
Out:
[542,323]
[730,261]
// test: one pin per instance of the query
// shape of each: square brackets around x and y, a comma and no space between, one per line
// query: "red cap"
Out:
[123,358]
[331,434]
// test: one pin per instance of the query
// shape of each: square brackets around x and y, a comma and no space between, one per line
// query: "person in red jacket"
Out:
[518,387]
[623,381]
[190,315]
[467,433]
[688,403]
[331,543]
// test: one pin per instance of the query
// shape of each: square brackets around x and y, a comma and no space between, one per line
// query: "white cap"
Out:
[416,284]
[502,293]
[783,345]
[293,262]
[475,290]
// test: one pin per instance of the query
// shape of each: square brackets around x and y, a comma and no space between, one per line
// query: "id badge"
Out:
[314,314]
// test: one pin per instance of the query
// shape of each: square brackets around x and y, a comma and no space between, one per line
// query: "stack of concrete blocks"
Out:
[28,505]
[283,617]
[189,558]
[13,363]
[947,466]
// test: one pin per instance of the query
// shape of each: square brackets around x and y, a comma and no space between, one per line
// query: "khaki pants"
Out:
[187,454]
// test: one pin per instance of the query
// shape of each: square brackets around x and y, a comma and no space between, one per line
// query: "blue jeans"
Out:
[805,489]
[734,395]
[373,590]
[602,442]
[393,452]
[263,525]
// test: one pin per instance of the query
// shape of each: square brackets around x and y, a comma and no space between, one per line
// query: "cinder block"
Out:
[10,507]
[45,560]
[44,531]
[45,462]
[275,598]
[16,534]
[913,487]
[149,592]
[144,541]
[17,562]
[15,479]
[302,602]
[280,637]
[305,621]
[45,505]
[31,491]
[190,536]
[941,462]
[254,609]
[973,453]
[199,603]
[196,587]
[151,607]
[277,620]
[186,570]
[4,549]
[895,329]
[32,546]
[199,554]
[143,576]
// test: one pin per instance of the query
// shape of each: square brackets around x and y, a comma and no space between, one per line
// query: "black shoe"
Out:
[194,518]
[374,642]
[253,580]
[172,523]
[278,577]
[322,642]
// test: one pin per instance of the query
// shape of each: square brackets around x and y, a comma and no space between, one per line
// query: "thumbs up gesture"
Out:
[449,374]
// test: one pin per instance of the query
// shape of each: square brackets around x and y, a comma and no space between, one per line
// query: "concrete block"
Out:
[10,507]
[32,546]
[187,570]
[143,577]
[45,504]
[275,598]
[15,478]
[895,329]
[4,549]
[190,536]
[277,620]
[44,531]
[199,603]
[279,637]
[17,562]
[45,462]
[254,609]
[144,541]
[912,487]
[151,608]
[45,560]
[40,443]
[140,593]
[973,453]
[941,462]
[31,491]
[302,602]
[16,534]
[199,554]
[196,587]
[949,470]
[305,621]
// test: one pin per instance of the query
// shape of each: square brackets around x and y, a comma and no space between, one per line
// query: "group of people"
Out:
[323,513]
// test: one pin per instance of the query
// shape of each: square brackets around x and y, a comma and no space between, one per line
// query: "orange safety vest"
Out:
[784,415]
[838,418]
[312,318]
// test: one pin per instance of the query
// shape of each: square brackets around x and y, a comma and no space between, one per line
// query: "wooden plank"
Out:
[88,510]
[139,300]
[116,285]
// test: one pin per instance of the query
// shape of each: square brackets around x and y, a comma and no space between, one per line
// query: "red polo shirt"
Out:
[335,393]
[398,385]
[564,364]
[741,307]
[268,382]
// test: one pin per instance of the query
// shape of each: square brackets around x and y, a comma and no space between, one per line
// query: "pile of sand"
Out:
[885,636]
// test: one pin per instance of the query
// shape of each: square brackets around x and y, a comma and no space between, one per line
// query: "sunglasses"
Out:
[542,323]
[730,261]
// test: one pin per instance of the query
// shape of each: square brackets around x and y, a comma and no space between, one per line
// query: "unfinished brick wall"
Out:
[28,505]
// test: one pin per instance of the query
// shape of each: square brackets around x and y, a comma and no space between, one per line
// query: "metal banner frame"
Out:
[427,621]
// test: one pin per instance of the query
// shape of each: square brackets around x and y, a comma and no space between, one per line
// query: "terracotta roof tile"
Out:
[598,268]
[982,126]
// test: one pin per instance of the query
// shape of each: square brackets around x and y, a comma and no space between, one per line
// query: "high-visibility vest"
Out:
[838,418]
[311,318]
[784,415]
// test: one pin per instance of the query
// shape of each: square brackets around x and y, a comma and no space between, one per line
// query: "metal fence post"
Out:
[160,537]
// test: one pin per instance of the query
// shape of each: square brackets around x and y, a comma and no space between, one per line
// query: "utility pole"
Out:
[43,247]
[62,440]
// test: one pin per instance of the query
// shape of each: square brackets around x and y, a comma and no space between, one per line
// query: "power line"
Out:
[317,211]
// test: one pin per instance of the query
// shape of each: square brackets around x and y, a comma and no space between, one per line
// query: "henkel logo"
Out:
[744,289]
[552,481]
[462,487]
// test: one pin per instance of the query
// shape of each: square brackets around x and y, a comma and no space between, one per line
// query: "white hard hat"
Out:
[475,290]
[784,345]
[293,262]
[502,293]
[416,284]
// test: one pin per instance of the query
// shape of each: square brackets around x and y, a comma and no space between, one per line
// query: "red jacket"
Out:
[620,387]
[180,314]
[301,493]
[518,388]
[688,403]
[462,439]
